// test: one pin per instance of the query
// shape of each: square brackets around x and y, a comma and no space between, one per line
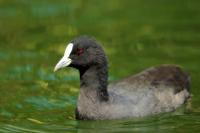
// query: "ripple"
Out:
[7,128]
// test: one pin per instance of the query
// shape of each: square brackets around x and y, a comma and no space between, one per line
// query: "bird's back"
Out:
[155,90]
[158,77]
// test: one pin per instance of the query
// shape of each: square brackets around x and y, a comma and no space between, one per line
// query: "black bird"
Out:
[155,90]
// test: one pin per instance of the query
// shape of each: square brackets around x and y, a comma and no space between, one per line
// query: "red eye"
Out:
[79,51]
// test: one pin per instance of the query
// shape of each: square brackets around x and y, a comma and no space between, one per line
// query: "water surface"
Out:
[135,35]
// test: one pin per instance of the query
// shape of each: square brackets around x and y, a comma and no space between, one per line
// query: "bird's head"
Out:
[82,52]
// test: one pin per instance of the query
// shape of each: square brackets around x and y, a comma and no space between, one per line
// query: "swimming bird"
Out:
[155,90]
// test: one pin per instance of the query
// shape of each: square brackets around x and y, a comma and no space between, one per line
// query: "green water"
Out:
[135,34]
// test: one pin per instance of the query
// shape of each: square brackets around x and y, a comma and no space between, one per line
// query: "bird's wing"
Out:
[158,77]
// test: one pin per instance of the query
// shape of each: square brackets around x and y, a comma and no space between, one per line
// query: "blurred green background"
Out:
[135,34]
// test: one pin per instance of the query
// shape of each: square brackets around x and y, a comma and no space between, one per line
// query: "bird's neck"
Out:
[94,82]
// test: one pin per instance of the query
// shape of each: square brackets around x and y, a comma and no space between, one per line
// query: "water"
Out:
[135,34]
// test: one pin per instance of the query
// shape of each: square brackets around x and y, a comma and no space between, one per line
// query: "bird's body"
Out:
[155,90]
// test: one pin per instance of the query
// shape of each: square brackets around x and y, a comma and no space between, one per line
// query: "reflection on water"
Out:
[164,123]
[135,34]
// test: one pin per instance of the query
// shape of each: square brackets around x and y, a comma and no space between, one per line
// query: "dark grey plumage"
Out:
[158,89]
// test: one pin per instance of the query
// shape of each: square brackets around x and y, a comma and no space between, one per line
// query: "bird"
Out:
[155,90]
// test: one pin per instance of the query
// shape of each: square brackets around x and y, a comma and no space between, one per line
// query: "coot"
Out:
[155,90]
